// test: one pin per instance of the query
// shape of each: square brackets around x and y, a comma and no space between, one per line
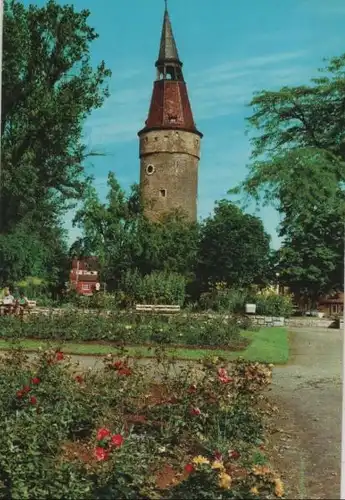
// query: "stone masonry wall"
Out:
[169,162]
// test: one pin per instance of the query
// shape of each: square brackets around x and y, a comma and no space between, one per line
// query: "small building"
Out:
[84,276]
[332,305]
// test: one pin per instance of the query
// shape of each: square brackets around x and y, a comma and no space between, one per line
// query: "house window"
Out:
[334,308]
[163,193]
[85,286]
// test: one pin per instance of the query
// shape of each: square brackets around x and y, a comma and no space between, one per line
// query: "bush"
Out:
[113,433]
[154,288]
[230,301]
[234,301]
[126,328]
[274,305]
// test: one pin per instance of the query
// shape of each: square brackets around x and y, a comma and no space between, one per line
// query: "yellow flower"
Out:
[279,488]
[200,460]
[224,480]
[254,490]
[217,465]
[261,470]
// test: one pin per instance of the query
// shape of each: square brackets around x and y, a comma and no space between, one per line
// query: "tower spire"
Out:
[167,50]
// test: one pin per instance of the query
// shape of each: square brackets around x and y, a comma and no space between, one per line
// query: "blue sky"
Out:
[230,49]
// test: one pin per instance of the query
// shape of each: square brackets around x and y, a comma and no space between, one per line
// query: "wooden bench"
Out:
[157,308]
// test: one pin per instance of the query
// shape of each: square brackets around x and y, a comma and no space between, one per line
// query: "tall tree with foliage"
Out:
[123,239]
[109,229]
[298,166]
[49,89]
[234,248]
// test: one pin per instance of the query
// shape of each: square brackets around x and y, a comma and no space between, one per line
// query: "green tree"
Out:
[298,166]
[123,239]
[25,253]
[169,245]
[108,229]
[234,248]
[49,89]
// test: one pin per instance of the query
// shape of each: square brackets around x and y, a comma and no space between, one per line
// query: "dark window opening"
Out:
[150,169]
[163,193]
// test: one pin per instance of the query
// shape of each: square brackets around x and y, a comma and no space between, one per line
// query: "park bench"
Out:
[32,304]
[157,308]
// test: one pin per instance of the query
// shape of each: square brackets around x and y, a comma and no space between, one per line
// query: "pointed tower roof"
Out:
[170,107]
[167,50]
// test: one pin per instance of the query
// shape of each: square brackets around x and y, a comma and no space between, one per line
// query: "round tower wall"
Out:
[169,162]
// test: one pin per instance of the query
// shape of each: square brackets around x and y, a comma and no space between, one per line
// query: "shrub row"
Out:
[113,433]
[234,301]
[128,329]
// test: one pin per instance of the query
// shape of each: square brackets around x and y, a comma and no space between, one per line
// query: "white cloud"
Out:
[223,89]
[227,87]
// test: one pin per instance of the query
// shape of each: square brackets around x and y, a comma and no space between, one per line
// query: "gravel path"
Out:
[308,392]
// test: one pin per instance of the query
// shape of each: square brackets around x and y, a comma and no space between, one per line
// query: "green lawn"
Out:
[269,345]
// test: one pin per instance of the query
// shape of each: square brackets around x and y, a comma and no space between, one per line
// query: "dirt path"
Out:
[308,392]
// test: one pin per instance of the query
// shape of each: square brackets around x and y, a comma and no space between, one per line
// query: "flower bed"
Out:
[133,432]
[128,329]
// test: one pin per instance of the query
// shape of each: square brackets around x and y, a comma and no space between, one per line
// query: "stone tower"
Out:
[169,142]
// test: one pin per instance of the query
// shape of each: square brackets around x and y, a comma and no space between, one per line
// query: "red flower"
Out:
[223,376]
[79,379]
[101,454]
[26,389]
[195,411]
[189,468]
[33,400]
[218,456]
[35,381]
[234,454]
[102,434]
[125,371]
[117,440]
[117,365]
[59,355]
[20,394]
[192,389]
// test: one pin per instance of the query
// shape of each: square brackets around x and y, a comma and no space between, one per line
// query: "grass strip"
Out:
[269,345]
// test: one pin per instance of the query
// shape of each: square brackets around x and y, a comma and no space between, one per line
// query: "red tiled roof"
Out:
[170,107]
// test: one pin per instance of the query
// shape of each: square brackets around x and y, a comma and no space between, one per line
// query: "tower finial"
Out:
[166,4]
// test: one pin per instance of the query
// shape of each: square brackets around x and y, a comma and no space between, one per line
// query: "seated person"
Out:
[8,301]
[22,303]
[8,298]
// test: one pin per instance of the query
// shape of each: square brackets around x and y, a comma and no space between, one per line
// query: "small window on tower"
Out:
[150,169]
[163,193]
[172,118]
